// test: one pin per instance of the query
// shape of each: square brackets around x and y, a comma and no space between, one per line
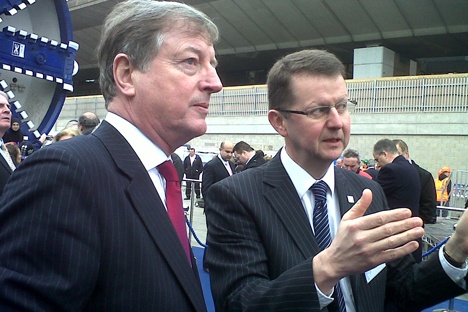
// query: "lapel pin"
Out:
[350,199]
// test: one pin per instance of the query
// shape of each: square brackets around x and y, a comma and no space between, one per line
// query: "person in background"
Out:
[193,167]
[371,169]
[427,199]
[14,134]
[17,137]
[399,181]
[100,216]
[351,161]
[364,163]
[15,153]
[443,186]
[300,234]
[219,167]
[7,165]
[339,162]
[179,165]
[246,156]
[87,122]
[66,134]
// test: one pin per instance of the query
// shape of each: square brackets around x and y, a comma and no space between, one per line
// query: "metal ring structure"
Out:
[37,60]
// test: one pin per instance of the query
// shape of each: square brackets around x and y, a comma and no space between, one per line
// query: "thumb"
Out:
[360,207]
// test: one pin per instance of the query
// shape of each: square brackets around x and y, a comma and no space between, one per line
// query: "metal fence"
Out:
[418,94]
[415,94]
[459,192]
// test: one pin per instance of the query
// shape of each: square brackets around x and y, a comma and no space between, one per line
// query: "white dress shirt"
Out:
[302,181]
[149,154]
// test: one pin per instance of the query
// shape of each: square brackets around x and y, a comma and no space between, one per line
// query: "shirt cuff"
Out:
[456,274]
[324,300]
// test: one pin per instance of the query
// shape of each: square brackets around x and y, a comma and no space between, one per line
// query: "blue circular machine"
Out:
[37,60]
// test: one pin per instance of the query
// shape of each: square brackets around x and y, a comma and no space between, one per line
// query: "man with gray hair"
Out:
[107,233]
[6,164]
[352,161]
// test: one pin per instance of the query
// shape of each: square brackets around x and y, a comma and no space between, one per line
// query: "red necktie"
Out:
[174,202]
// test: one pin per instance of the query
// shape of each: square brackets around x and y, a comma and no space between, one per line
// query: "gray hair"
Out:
[4,95]
[351,153]
[137,28]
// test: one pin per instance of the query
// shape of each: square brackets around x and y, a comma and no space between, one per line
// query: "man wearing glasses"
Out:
[301,234]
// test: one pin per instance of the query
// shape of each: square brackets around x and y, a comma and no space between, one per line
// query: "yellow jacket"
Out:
[441,187]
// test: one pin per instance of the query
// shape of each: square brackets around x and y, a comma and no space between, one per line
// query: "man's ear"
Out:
[123,70]
[277,120]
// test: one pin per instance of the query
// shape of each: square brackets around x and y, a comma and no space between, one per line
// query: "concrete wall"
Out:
[434,140]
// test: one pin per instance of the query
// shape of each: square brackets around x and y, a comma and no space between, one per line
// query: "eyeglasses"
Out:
[320,112]
[377,159]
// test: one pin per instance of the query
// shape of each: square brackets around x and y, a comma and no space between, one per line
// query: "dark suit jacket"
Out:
[5,173]
[179,165]
[214,171]
[261,247]
[192,171]
[256,161]
[372,172]
[428,196]
[89,232]
[401,185]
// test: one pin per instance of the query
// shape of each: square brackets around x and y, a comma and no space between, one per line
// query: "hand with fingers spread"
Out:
[363,242]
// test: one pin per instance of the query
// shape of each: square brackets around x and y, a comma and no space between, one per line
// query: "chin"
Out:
[196,131]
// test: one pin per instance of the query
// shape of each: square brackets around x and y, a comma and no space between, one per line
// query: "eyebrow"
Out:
[213,62]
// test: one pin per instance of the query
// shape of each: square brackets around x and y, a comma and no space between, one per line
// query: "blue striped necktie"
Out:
[321,228]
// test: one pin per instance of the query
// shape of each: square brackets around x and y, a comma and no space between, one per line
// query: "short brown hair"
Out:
[308,62]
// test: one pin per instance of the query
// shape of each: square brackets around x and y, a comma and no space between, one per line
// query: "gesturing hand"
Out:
[363,242]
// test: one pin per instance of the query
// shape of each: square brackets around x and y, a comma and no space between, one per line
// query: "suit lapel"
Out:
[4,163]
[346,195]
[282,196]
[146,201]
[221,168]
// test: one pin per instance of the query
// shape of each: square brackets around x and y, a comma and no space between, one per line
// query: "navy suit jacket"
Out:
[261,247]
[88,232]
[5,172]
[401,184]
[254,162]
[428,196]
[214,171]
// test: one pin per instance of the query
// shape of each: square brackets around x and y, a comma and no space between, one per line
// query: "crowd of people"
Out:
[99,225]
[17,146]
[432,191]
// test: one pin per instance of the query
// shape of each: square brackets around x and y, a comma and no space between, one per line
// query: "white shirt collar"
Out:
[301,179]
[222,160]
[149,153]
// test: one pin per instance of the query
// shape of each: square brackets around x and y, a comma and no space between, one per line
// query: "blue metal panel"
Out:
[30,57]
